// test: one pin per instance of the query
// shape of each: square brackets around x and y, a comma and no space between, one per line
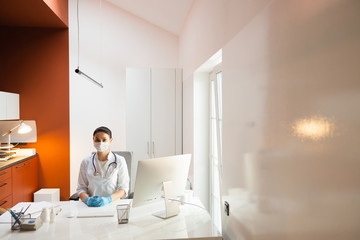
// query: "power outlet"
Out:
[227,208]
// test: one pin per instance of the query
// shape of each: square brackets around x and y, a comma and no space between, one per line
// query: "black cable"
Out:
[182,202]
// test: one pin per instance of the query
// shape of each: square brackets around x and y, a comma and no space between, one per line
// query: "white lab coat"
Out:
[111,179]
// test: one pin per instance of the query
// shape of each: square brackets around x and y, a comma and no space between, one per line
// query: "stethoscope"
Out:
[96,173]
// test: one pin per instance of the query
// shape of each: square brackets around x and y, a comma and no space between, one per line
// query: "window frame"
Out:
[215,161]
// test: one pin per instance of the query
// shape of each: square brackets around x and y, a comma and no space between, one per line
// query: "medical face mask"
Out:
[101,146]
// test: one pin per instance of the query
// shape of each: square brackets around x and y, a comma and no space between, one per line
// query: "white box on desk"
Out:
[47,194]
[26,152]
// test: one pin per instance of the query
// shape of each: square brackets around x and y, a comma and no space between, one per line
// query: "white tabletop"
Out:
[192,222]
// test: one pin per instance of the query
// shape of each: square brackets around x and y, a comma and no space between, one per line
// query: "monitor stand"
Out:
[171,207]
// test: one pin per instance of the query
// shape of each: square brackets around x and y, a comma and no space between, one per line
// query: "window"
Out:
[215,146]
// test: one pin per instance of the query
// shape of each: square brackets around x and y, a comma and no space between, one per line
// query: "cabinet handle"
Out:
[27,163]
[153,149]
[20,166]
[3,173]
[3,203]
[3,185]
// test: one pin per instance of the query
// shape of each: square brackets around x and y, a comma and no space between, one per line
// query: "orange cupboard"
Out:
[18,181]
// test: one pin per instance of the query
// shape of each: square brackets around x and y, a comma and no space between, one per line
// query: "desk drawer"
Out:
[6,202]
[5,188]
[6,173]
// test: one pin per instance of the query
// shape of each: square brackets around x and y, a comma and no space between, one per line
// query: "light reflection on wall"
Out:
[314,128]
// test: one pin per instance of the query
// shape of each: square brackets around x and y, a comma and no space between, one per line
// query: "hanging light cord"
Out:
[77,70]
[78,31]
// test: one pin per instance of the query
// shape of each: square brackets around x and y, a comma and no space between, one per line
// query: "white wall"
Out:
[110,40]
[209,26]
[287,61]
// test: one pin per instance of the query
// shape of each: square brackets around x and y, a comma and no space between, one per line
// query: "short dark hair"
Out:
[103,129]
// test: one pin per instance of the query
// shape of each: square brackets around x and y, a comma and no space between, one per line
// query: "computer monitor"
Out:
[161,177]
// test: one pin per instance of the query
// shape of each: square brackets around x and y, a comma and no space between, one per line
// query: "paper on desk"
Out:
[34,209]
[105,211]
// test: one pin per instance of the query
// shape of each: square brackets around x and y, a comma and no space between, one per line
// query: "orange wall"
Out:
[34,62]
[34,13]
[60,8]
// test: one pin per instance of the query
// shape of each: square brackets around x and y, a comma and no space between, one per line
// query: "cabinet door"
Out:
[6,202]
[137,115]
[2,105]
[5,174]
[153,113]
[31,179]
[9,106]
[18,174]
[12,106]
[25,180]
[5,188]
[163,112]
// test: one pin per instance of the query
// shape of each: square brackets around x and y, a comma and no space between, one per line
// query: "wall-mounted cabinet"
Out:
[153,113]
[9,106]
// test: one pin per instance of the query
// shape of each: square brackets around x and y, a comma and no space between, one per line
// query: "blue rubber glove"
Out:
[92,201]
[86,201]
[98,201]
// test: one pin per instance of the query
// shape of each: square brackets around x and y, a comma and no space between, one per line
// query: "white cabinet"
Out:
[2,106]
[9,106]
[153,113]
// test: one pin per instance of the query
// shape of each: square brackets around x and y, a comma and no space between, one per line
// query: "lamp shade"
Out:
[24,128]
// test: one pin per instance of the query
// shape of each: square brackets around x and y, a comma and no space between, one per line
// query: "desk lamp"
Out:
[26,133]
[23,128]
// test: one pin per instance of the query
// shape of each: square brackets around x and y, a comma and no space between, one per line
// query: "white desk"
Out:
[192,222]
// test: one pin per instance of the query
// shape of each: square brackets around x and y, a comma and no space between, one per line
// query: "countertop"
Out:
[15,160]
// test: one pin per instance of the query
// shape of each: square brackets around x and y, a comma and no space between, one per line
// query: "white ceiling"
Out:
[167,14]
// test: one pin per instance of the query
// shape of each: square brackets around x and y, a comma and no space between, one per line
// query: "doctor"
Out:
[103,176]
